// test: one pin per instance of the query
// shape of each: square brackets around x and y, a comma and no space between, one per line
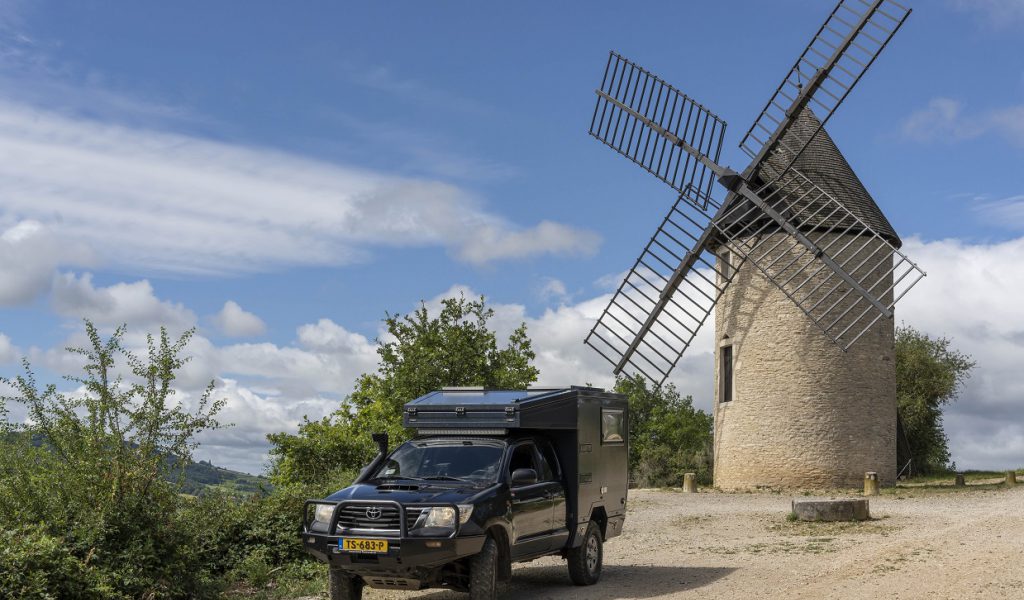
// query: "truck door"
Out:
[531,505]
[551,474]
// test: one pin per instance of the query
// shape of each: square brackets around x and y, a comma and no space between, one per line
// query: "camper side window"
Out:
[613,426]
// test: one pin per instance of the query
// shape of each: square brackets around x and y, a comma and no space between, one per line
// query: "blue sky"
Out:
[280,176]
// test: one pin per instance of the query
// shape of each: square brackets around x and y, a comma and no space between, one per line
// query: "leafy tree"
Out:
[88,470]
[420,353]
[929,375]
[668,436]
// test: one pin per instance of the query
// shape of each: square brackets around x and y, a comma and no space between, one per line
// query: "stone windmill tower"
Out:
[795,249]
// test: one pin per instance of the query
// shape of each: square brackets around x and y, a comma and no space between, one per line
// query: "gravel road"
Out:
[920,544]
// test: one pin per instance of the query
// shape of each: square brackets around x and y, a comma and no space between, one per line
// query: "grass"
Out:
[976,481]
[813,529]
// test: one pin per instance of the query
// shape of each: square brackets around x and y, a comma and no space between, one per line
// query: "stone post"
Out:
[1011,478]
[959,482]
[690,483]
[871,483]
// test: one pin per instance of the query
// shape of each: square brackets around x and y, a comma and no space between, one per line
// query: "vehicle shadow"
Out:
[617,581]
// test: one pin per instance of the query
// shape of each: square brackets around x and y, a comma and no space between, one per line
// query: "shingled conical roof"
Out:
[824,164]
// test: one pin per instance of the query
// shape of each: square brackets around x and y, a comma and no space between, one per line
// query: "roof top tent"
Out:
[588,426]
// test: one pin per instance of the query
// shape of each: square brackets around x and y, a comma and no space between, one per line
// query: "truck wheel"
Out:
[483,572]
[585,560]
[342,586]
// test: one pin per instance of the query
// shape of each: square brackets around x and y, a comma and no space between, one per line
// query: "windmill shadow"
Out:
[617,581]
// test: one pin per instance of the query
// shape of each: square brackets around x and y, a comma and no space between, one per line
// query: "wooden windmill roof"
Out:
[824,164]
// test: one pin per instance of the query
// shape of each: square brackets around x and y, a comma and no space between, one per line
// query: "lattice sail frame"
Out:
[839,54]
[659,113]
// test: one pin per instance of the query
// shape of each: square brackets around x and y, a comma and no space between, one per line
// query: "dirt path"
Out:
[714,545]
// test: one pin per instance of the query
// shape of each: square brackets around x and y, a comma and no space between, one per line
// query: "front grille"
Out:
[411,514]
[359,516]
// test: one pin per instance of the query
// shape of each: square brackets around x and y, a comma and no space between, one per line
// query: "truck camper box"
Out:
[587,426]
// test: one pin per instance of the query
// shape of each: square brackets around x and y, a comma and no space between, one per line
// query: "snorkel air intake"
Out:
[381,439]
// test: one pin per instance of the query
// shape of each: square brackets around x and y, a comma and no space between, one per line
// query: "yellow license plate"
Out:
[363,545]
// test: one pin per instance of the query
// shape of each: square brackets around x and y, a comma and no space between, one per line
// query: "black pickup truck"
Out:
[492,477]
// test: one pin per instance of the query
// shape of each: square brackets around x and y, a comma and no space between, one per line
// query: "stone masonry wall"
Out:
[804,414]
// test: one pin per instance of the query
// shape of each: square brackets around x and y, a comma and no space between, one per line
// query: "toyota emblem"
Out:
[373,513]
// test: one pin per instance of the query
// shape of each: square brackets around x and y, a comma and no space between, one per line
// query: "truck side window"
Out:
[613,426]
[549,463]
[523,458]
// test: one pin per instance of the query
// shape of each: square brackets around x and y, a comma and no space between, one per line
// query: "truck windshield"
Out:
[451,461]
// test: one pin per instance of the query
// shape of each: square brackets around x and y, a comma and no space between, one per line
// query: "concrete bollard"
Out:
[1011,478]
[690,483]
[959,481]
[871,483]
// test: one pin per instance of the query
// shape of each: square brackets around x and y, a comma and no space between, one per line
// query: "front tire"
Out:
[483,572]
[586,560]
[342,586]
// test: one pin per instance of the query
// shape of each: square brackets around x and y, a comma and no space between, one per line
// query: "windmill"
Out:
[795,235]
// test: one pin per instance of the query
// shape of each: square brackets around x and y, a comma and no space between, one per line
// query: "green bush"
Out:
[35,564]
[667,435]
[89,472]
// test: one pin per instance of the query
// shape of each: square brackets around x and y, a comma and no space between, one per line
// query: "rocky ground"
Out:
[921,543]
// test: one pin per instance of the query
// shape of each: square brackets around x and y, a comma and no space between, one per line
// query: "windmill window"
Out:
[726,268]
[725,378]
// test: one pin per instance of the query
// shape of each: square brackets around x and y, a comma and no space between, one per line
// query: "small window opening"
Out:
[725,366]
[726,268]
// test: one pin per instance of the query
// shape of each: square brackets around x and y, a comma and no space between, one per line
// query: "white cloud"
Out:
[554,289]
[9,353]
[973,295]
[1006,212]
[134,304]
[234,321]
[944,119]
[151,200]
[29,254]
[997,14]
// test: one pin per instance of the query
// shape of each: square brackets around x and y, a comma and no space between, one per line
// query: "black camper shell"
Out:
[588,426]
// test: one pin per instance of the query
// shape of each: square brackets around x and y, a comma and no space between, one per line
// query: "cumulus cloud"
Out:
[9,353]
[944,119]
[234,321]
[29,255]
[152,200]
[972,295]
[134,304]
[554,289]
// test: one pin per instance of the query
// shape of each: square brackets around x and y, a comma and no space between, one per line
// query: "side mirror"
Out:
[521,477]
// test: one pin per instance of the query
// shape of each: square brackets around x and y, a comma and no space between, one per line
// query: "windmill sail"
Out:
[664,300]
[652,123]
[839,54]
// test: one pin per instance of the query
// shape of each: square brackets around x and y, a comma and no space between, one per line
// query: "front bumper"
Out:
[412,558]
[408,558]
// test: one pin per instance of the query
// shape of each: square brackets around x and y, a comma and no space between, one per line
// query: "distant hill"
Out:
[203,477]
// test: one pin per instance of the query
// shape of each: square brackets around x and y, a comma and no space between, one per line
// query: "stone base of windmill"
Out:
[831,509]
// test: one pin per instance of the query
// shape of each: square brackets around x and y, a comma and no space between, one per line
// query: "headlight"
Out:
[440,520]
[323,513]
[440,516]
[321,517]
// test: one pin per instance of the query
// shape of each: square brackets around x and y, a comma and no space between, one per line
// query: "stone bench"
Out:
[831,509]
